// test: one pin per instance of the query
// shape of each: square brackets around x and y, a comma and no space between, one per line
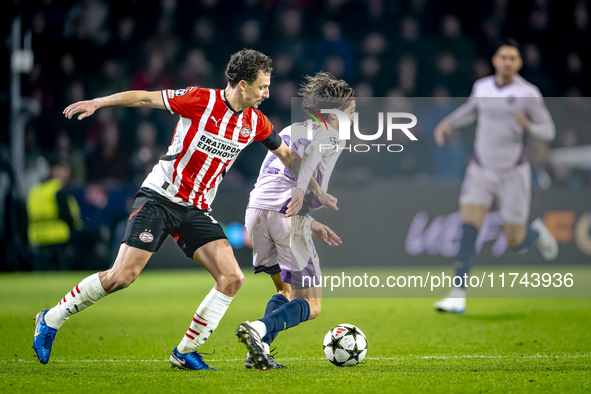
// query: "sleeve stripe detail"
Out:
[165,99]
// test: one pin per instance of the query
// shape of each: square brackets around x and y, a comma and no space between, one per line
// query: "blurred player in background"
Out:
[175,199]
[508,109]
[282,246]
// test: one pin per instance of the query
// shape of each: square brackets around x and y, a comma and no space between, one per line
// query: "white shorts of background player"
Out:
[512,187]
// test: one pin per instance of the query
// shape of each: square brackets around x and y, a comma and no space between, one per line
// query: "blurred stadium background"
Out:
[56,52]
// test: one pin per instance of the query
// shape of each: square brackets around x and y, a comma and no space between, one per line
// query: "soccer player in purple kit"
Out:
[283,247]
[508,109]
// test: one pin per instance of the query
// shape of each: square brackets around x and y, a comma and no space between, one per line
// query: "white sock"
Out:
[86,293]
[260,327]
[205,321]
[457,292]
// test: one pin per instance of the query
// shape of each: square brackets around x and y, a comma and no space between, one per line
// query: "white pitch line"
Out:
[507,356]
[400,358]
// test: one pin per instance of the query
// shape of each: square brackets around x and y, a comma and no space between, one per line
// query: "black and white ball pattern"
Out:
[345,345]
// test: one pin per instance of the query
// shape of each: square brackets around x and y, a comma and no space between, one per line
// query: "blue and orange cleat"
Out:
[44,337]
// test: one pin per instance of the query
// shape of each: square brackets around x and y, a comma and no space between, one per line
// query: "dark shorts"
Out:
[154,217]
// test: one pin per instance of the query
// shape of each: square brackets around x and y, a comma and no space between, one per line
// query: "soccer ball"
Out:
[345,345]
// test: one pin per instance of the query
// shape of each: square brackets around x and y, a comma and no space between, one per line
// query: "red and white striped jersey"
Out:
[207,139]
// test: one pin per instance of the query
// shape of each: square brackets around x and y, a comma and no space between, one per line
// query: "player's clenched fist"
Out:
[441,130]
[523,121]
[329,201]
[297,201]
[85,108]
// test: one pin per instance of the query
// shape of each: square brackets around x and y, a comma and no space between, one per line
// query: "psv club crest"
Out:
[146,237]
[245,131]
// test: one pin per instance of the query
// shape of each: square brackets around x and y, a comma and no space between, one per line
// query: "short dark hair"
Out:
[325,91]
[246,65]
[511,42]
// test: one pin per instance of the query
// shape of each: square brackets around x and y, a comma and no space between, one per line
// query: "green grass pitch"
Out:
[122,343]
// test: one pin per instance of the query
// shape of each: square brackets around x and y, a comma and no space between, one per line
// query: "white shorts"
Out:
[285,245]
[512,187]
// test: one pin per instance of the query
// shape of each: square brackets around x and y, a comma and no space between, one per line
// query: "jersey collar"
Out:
[515,79]
[223,96]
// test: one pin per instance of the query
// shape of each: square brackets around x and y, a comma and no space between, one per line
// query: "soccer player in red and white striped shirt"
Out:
[214,126]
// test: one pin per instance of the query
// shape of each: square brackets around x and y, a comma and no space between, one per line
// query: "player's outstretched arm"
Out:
[325,234]
[464,115]
[132,98]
